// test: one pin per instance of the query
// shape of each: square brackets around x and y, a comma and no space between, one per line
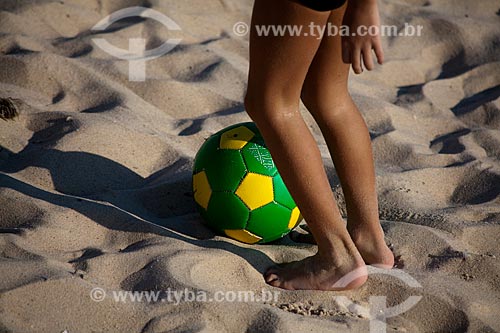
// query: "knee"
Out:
[319,98]
[269,109]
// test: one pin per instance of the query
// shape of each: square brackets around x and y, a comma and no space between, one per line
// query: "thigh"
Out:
[279,64]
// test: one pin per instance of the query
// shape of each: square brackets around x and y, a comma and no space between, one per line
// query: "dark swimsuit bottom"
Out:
[322,5]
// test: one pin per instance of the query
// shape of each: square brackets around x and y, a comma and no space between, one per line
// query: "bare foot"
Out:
[371,245]
[318,273]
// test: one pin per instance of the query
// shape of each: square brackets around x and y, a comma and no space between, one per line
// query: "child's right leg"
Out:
[278,67]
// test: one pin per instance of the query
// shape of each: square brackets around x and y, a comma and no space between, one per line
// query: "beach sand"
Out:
[95,173]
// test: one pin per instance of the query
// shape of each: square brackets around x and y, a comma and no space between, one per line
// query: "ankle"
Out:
[337,249]
[365,230]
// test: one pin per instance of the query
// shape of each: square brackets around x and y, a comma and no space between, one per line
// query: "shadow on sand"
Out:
[107,192]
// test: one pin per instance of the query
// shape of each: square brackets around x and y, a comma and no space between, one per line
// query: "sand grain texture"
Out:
[95,187]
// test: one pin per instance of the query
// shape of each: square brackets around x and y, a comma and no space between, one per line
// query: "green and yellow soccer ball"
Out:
[238,189]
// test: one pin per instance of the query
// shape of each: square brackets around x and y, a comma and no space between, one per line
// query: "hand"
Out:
[358,49]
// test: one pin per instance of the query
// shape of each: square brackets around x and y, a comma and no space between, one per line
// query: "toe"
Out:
[288,286]
[271,277]
[276,282]
[271,274]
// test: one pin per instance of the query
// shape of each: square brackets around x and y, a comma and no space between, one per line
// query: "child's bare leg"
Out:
[326,96]
[278,67]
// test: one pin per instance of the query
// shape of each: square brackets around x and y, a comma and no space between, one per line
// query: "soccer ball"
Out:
[238,189]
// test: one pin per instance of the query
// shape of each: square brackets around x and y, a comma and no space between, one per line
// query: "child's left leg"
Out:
[326,96]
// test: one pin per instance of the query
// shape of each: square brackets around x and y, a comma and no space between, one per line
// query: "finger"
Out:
[356,60]
[379,52]
[367,57]
[346,53]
